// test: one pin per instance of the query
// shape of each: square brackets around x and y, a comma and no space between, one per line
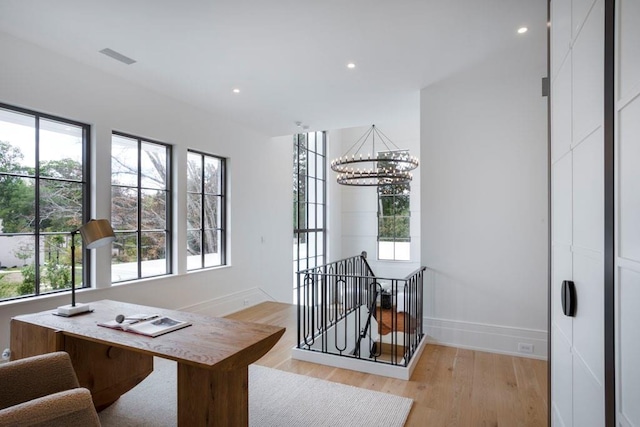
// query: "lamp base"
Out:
[70,310]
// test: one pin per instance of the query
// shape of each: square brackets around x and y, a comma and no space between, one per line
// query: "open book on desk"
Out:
[150,325]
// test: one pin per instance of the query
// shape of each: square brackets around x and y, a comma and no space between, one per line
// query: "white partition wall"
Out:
[595,71]
[627,149]
[577,174]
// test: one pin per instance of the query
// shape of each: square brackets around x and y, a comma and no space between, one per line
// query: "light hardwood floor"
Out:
[450,386]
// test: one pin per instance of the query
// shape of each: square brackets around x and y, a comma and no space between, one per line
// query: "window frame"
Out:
[168,206]
[86,197]
[393,239]
[299,232]
[223,211]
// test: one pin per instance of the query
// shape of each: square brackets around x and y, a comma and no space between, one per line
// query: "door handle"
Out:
[569,299]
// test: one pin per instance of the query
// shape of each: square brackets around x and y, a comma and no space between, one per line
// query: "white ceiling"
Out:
[288,57]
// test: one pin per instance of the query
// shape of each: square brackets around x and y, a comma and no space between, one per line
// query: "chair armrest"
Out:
[70,408]
[33,377]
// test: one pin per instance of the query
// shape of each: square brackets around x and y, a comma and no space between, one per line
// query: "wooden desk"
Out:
[213,356]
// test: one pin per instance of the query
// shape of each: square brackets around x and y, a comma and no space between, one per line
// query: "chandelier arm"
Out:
[384,142]
[365,136]
[373,141]
[383,137]
[364,141]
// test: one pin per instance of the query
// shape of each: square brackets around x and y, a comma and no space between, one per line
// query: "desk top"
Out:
[211,342]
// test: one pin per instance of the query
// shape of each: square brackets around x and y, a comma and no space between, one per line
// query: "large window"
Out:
[394,215]
[43,194]
[309,206]
[140,208]
[206,208]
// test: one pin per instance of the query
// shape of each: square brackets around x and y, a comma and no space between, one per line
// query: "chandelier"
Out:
[386,167]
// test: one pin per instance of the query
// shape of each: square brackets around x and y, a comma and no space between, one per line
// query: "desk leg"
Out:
[108,372]
[213,398]
[32,340]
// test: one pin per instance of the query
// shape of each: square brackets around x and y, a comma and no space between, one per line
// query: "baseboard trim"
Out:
[484,337]
[361,365]
[228,304]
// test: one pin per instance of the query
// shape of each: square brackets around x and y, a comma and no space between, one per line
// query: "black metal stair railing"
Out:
[367,326]
[342,310]
[327,294]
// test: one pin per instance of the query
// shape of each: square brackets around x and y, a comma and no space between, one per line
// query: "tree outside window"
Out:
[206,211]
[42,192]
[309,202]
[394,215]
[140,208]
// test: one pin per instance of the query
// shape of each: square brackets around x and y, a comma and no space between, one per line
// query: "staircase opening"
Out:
[350,318]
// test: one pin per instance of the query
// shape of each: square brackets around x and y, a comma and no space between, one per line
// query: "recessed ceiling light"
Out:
[522,30]
[351,65]
[236,90]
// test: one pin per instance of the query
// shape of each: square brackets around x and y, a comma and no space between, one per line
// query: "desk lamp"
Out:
[95,233]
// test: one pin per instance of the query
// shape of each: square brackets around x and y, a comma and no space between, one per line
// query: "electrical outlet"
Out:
[245,302]
[525,348]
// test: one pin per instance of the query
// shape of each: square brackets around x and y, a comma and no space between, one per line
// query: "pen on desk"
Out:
[121,318]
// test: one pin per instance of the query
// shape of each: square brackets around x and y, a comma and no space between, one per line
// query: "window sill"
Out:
[205,269]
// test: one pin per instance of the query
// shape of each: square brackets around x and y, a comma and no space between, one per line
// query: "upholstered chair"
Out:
[44,391]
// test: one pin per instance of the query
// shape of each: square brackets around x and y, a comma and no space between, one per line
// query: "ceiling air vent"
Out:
[118,56]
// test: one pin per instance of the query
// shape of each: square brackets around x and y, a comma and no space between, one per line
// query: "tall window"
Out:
[43,194]
[394,215]
[206,208]
[140,208]
[309,206]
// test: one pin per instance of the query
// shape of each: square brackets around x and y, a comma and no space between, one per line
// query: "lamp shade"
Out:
[96,233]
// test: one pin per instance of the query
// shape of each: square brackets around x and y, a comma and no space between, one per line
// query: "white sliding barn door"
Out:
[577,186]
[627,150]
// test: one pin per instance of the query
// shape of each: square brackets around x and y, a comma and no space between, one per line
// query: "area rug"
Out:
[388,324]
[276,398]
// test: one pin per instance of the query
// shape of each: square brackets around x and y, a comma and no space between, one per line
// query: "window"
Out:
[309,183]
[43,194]
[140,208]
[206,208]
[394,237]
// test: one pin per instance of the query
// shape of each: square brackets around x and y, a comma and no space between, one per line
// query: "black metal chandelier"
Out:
[387,167]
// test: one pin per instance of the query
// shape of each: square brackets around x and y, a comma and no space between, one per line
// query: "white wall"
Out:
[259,183]
[627,196]
[359,213]
[334,198]
[484,201]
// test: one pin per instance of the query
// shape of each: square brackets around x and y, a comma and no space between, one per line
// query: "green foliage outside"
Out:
[394,213]
[28,285]
[60,204]
[57,275]
[16,195]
